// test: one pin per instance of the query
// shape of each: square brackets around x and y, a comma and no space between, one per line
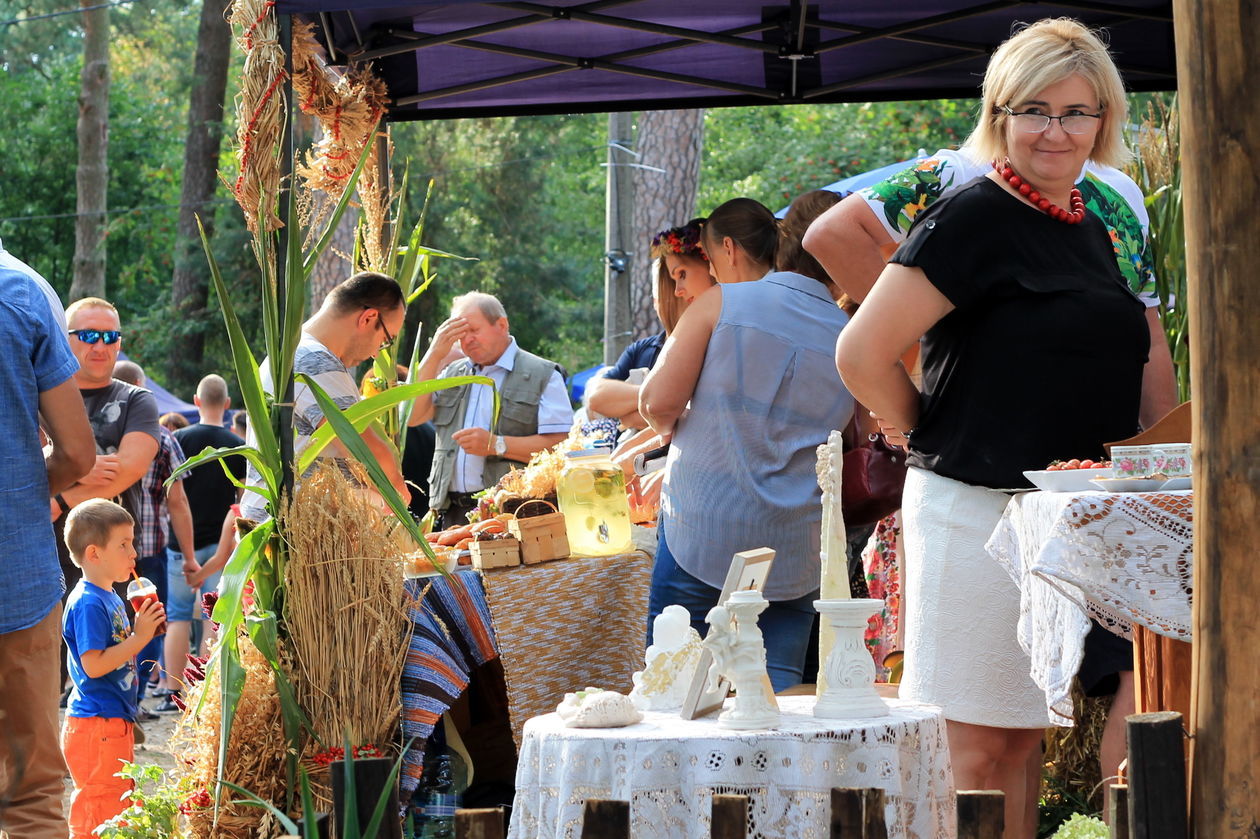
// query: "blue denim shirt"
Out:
[37,359]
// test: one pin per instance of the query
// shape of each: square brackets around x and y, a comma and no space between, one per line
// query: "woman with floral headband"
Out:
[746,388]
[682,273]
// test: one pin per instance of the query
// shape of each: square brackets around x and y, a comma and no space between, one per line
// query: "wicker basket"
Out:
[542,537]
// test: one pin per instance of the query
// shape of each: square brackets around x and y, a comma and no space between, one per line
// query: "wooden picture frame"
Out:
[748,572]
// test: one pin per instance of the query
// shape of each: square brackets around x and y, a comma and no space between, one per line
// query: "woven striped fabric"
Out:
[452,635]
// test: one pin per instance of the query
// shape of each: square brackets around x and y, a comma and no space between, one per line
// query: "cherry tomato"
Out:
[1087,464]
[1072,464]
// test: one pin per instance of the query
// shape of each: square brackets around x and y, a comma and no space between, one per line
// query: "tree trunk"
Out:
[669,140]
[92,175]
[190,283]
[333,264]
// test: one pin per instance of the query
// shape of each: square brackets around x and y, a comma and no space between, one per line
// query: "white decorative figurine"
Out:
[740,655]
[670,662]
[597,708]
[850,692]
[835,558]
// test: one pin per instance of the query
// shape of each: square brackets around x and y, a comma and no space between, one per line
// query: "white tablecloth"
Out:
[1119,558]
[669,769]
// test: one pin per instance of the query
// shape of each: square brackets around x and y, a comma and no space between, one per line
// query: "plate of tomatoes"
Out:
[1069,475]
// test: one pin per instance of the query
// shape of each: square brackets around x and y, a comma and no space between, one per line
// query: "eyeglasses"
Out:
[1030,122]
[380,321]
[91,336]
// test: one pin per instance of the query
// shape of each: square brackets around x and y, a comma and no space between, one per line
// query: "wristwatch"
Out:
[500,445]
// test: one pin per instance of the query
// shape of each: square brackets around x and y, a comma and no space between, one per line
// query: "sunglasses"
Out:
[91,336]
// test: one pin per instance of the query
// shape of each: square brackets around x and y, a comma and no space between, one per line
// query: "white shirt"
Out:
[11,262]
[555,415]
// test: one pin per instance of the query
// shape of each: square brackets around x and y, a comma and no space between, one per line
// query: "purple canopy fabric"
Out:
[462,59]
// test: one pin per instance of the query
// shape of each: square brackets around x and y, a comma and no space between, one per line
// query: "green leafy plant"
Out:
[1157,170]
[156,805]
[1080,826]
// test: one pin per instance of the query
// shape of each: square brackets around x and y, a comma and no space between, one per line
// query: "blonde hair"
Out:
[1040,55]
[88,303]
[668,305]
[90,523]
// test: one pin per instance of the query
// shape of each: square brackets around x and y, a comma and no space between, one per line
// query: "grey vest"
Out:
[518,417]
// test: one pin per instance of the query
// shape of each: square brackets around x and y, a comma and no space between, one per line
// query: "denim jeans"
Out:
[785,624]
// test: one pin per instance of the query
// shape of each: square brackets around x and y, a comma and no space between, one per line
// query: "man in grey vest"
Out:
[469,455]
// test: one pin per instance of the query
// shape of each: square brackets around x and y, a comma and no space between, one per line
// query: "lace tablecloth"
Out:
[669,769]
[1119,558]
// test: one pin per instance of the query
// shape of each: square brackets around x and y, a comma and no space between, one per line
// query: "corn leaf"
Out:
[245,364]
[349,437]
[361,414]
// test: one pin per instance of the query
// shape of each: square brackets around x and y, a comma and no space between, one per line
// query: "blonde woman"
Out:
[1033,349]
[682,273]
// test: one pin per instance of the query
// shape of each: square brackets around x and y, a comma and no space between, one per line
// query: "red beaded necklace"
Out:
[1072,216]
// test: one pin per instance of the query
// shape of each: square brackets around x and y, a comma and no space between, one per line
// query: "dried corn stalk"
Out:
[255,759]
[348,105]
[259,111]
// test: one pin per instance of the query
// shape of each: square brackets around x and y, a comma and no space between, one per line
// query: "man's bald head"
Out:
[129,372]
[212,391]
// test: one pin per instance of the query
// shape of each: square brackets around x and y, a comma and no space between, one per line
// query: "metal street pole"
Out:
[618,250]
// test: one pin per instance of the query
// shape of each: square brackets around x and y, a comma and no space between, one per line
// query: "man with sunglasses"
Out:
[124,420]
[359,318]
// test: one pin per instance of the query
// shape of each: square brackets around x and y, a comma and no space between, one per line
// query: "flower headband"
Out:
[683,241]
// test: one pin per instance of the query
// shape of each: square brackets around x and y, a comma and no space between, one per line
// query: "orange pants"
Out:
[95,748]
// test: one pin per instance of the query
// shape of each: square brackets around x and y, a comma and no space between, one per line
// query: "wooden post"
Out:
[1217,68]
[371,778]
[606,819]
[1157,776]
[858,814]
[729,817]
[484,823]
[1118,808]
[980,814]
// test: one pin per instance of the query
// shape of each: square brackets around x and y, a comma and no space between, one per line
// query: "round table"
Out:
[1120,558]
[669,769]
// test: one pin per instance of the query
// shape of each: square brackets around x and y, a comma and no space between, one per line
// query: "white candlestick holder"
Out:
[849,669]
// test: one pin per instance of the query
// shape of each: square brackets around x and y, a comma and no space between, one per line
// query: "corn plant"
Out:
[261,554]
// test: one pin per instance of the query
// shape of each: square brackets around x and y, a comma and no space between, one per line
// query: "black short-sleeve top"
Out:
[1041,358]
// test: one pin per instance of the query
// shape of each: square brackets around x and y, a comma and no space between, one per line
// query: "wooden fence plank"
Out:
[1118,808]
[606,820]
[980,814]
[858,814]
[486,823]
[729,817]
[1157,776]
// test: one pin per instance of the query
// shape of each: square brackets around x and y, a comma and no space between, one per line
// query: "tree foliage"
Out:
[525,195]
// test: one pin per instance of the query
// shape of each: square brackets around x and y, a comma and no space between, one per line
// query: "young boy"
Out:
[97,737]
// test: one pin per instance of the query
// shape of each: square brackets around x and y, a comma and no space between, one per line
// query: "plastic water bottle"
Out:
[442,785]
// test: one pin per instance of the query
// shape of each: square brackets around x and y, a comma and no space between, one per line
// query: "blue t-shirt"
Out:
[641,353]
[37,359]
[96,619]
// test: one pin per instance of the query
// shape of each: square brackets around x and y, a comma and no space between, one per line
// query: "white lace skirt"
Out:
[962,609]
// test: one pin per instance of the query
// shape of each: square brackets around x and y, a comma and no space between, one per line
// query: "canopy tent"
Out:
[466,59]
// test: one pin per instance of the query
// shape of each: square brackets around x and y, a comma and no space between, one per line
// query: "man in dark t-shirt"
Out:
[124,420]
[210,494]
